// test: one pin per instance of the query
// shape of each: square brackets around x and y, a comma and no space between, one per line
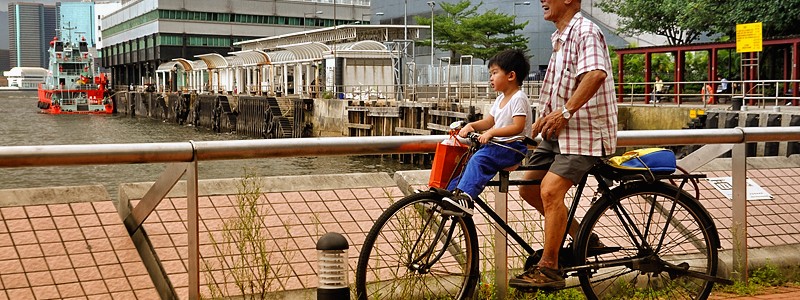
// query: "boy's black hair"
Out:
[512,60]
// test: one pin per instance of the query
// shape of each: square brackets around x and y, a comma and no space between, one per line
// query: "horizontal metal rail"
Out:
[60,155]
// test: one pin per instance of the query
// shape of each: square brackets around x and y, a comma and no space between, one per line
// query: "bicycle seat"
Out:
[512,168]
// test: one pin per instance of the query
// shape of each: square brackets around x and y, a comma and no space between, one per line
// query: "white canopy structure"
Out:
[334,59]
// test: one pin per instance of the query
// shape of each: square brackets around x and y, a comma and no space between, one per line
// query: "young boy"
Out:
[509,116]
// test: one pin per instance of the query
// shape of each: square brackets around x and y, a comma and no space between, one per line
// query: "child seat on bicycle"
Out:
[509,116]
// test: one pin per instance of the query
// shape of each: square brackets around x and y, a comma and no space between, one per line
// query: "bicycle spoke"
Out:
[661,235]
[414,252]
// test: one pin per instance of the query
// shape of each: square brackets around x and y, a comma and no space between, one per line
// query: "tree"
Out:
[779,18]
[680,21]
[462,31]
[684,21]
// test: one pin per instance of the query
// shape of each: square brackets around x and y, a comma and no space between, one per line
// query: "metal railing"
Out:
[183,158]
[762,91]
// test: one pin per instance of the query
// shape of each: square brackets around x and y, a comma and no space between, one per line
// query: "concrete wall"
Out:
[653,118]
[330,117]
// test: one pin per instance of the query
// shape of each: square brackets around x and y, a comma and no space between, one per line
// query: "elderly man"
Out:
[578,122]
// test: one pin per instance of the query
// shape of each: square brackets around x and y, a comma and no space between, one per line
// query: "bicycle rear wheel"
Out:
[415,252]
[667,245]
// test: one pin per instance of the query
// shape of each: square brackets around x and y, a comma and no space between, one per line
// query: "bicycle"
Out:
[661,242]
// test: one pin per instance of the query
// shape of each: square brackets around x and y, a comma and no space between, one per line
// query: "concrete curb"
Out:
[783,256]
[406,180]
[53,195]
[230,186]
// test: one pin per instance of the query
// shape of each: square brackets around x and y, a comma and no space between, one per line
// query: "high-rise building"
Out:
[76,20]
[5,62]
[31,26]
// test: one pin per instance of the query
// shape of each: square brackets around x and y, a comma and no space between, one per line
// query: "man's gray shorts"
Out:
[569,166]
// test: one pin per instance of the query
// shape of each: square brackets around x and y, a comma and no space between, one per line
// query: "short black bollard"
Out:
[333,267]
[737,102]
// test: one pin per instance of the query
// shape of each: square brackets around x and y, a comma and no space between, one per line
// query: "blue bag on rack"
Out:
[657,160]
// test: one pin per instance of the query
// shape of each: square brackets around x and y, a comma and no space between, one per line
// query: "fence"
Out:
[761,92]
[183,158]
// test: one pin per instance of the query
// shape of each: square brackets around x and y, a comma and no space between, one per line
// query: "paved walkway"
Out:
[62,243]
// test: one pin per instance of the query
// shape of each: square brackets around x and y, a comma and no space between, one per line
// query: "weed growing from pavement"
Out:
[246,263]
[770,275]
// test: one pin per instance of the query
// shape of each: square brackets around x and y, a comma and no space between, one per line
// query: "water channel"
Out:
[22,124]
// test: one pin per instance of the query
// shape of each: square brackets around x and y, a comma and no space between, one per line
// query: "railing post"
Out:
[500,246]
[193,229]
[739,226]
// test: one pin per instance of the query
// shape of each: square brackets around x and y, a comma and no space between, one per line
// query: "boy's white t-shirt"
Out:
[517,106]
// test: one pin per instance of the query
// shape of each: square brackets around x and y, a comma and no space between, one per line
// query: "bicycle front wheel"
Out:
[415,252]
[660,244]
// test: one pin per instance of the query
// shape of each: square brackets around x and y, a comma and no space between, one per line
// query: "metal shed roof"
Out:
[366,45]
[280,56]
[167,66]
[187,64]
[213,60]
[198,65]
[307,51]
[252,57]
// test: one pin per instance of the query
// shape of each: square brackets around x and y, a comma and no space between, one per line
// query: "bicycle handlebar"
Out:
[505,140]
[473,136]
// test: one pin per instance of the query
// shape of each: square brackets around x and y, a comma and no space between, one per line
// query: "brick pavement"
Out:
[75,249]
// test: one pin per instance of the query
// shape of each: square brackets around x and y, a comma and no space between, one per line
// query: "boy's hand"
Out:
[485,137]
[465,130]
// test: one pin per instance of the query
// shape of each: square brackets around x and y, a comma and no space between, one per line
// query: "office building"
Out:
[142,34]
[31,27]
[76,21]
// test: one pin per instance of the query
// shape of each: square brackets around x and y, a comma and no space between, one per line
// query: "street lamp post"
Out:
[447,88]
[405,22]
[319,12]
[432,4]
[469,69]
[515,10]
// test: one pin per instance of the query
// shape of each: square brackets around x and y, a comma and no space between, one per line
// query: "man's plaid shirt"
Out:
[592,130]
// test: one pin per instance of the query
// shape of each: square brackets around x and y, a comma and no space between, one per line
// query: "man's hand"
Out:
[550,126]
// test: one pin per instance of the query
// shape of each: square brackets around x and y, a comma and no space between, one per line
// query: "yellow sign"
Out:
[748,37]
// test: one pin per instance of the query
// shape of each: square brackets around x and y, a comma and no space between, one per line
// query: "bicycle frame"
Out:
[603,188]
[503,184]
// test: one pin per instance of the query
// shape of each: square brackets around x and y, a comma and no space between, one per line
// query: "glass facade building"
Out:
[77,20]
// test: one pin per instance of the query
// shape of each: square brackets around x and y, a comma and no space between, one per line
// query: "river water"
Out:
[21,124]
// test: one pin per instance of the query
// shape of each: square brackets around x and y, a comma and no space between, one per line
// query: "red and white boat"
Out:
[73,85]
